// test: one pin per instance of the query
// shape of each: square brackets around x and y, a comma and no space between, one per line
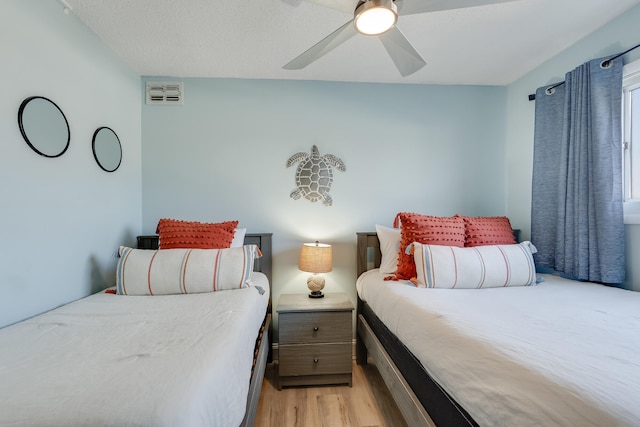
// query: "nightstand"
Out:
[315,340]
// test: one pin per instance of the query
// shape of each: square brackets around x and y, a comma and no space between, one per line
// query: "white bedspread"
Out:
[561,353]
[112,360]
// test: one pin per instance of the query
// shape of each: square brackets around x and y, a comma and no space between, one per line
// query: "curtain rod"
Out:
[605,63]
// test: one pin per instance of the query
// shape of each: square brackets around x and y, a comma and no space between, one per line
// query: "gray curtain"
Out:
[577,221]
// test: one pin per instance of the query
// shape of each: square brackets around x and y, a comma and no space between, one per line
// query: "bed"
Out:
[557,353]
[194,359]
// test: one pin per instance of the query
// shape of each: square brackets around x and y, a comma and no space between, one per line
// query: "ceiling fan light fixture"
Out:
[375,17]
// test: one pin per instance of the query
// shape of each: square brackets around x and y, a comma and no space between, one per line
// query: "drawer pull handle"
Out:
[315,329]
[315,360]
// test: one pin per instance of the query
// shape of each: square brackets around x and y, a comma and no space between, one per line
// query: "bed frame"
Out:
[262,352]
[419,397]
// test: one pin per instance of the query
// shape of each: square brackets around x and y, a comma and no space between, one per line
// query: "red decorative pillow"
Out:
[433,230]
[488,230]
[175,234]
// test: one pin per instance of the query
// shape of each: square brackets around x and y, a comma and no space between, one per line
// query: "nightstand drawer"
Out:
[315,359]
[315,327]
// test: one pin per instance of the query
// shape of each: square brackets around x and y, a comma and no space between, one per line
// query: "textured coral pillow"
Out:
[434,230]
[488,230]
[175,234]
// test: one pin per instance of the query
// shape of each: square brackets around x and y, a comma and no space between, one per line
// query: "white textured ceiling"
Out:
[485,45]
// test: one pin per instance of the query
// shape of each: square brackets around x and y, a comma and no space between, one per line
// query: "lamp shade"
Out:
[315,258]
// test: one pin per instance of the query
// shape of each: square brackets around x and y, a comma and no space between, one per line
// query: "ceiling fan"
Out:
[379,18]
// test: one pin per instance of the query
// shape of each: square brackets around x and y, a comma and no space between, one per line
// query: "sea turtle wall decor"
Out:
[314,175]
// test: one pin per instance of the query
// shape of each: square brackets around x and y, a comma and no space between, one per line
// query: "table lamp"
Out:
[315,258]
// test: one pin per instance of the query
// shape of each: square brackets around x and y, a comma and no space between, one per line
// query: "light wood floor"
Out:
[366,404]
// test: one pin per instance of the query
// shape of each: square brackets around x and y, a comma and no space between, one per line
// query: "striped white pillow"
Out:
[184,271]
[474,267]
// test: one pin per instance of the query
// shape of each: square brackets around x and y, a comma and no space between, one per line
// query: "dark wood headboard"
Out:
[368,247]
[262,240]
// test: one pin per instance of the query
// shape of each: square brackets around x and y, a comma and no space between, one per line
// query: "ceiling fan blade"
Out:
[410,7]
[346,6]
[406,58]
[323,47]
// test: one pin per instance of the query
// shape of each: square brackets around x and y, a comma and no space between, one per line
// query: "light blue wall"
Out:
[431,149]
[62,218]
[617,36]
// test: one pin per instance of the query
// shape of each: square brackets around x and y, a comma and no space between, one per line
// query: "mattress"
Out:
[113,360]
[560,353]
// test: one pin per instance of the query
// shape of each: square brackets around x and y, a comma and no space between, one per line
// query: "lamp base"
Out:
[315,283]
[316,294]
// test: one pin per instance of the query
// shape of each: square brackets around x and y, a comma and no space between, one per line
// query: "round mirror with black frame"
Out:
[107,149]
[44,126]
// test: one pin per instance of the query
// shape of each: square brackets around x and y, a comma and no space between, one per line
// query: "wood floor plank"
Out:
[332,411]
[387,407]
[367,403]
[362,402]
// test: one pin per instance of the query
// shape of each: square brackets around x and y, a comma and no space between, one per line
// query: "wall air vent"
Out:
[165,93]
